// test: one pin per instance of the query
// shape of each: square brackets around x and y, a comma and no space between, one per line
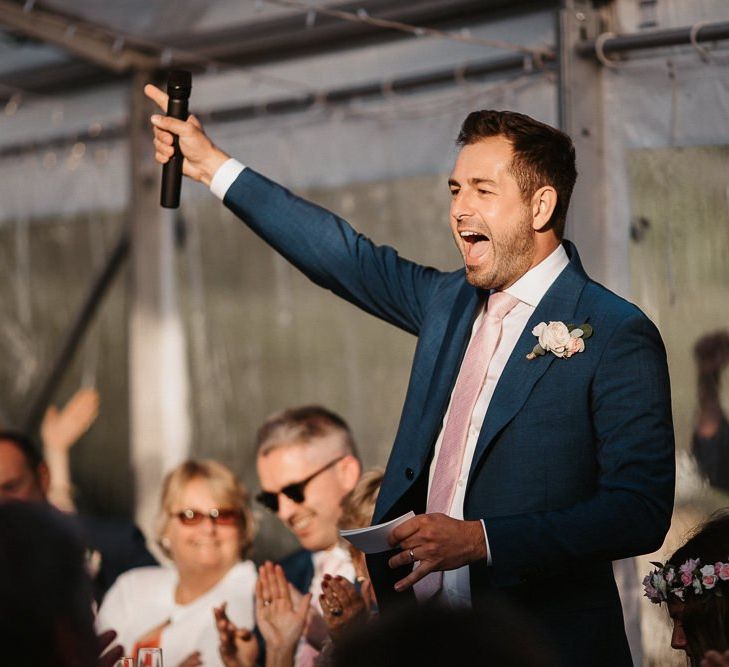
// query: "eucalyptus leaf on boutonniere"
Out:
[562,340]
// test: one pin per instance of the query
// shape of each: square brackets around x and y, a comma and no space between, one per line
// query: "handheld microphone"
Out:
[179,85]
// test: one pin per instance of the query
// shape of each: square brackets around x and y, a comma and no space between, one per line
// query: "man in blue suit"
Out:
[536,442]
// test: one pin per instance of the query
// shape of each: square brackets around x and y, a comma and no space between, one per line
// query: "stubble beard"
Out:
[513,256]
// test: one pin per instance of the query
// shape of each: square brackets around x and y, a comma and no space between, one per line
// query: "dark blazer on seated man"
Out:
[299,569]
[569,451]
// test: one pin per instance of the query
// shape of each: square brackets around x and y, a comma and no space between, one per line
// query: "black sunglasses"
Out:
[294,491]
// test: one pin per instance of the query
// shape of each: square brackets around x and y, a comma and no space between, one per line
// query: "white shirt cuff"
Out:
[224,177]
[488,548]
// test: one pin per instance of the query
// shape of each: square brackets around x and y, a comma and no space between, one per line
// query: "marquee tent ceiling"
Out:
[227,31]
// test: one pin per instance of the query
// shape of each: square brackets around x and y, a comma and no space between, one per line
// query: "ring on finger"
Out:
[412,556]
[336,612]
[267,602]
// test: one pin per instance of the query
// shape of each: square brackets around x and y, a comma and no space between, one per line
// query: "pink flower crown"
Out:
[668,580]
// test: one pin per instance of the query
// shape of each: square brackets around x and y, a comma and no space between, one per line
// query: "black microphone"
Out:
[179,85]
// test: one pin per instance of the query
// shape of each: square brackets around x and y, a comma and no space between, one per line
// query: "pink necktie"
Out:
[465,394]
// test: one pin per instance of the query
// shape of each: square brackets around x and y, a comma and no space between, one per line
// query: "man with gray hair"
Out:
[307,462]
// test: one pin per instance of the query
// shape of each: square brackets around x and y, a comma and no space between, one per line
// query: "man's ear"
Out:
[44,477]
[544,201]
[350,471]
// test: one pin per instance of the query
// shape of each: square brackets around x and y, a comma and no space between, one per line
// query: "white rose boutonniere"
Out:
[562,340]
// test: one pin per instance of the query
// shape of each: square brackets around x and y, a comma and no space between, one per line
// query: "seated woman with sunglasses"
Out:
[205,528]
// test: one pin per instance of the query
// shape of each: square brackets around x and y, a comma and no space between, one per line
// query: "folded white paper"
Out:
[373,539]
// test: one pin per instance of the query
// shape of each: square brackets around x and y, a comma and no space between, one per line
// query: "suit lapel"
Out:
[521,374]
[453,347]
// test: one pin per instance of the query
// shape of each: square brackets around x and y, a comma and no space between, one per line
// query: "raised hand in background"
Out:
[60,430]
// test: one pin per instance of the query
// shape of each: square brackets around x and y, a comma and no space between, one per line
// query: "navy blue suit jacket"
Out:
[574,465]
[299,569]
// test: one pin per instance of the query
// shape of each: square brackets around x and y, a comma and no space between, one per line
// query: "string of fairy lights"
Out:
[362,16]
[169,56]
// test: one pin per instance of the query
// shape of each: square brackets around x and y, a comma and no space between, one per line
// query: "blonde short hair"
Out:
[225,487]
[358,505]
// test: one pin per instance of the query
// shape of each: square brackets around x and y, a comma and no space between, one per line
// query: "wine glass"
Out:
[125,662]
[149,657]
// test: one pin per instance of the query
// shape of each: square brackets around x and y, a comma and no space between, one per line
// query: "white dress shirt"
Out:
[529,289]
[143,599]
[224,177]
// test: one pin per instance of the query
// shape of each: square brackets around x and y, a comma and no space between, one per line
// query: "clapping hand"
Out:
[316,631]
[192,660]
[238,647]
[110,658]
[280,620]
[342,604]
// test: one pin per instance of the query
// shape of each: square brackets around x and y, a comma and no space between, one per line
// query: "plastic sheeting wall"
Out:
[259,336]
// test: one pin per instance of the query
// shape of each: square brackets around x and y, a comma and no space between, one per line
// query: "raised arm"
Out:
[322,245]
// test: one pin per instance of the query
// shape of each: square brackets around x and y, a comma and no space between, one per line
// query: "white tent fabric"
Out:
[363,141]
[664,101]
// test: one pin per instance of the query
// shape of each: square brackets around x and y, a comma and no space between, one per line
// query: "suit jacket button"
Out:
[409,473]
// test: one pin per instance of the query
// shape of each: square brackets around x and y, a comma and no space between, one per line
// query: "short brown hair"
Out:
[225,487]
[543,155]
[303,425]
[30,450]
[358,505]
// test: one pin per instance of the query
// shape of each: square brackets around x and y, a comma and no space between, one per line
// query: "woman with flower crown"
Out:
[694,584]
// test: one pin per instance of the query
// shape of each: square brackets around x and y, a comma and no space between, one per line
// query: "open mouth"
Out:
[475,246]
